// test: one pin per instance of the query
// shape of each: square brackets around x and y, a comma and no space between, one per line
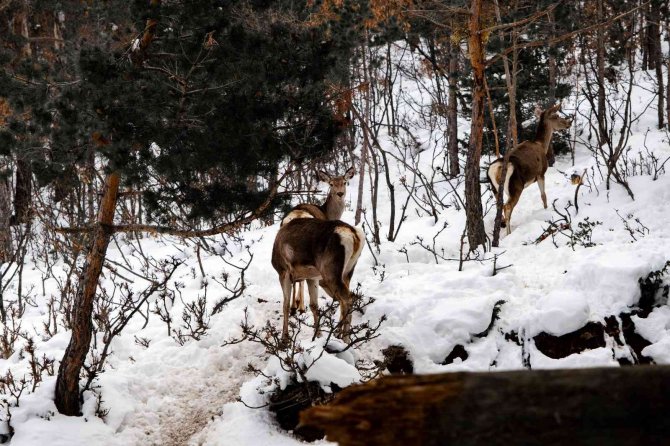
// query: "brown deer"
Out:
[527,162]
[323,252]
[331,209]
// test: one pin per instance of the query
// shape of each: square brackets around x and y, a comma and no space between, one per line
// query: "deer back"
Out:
[308,244]
[304,211]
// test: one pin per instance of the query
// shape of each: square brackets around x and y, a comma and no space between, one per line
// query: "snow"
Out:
[202,393]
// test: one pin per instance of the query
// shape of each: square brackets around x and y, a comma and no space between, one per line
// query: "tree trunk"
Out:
[452,111]
[657,57]
[615,406]
[366,142]
[600,61]
[23,193]
[6,246]
[67,396]
[473,200]
[667,83]
[512,136]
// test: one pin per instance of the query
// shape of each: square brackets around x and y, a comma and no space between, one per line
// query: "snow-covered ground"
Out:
[168,394]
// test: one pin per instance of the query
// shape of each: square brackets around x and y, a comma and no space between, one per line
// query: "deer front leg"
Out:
[540,183]
[286,285]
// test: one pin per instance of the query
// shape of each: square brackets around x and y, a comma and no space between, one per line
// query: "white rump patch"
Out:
[495,170]
[349,239]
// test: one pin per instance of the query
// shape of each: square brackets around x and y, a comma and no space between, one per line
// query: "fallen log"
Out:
[614,406]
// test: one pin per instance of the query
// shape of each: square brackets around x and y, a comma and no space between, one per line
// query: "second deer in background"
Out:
[527,162]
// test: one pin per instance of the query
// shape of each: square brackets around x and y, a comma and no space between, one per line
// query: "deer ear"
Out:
[323,176]
[538,112]
[556,107]
[349,174]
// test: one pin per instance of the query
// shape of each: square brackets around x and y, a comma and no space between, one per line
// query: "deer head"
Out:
[333,207]
[338,185]
[552,119]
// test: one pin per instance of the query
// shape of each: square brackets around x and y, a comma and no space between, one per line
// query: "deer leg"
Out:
[313,289]
[294,299]
[508,208]
[286,284]
[301,296]
[540,183]
[344,296]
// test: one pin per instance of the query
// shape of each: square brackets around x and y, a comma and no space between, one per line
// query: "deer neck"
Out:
[333,208]
[543,135]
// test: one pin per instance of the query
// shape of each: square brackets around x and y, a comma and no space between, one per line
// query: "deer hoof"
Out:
[293,311]
[285,342]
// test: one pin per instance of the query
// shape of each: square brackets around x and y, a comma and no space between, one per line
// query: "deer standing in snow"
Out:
[331,209]
[323,252]
[527,162]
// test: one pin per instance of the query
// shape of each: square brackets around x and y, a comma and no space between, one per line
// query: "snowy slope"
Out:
[167,394]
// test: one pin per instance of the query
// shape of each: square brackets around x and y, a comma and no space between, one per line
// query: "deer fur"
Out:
[527,162]
[322,252]
[331,209]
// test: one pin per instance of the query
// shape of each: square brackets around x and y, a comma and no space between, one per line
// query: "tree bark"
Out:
[67,398]
[617,406]
[667,62]
[366,142]
[473,200]
[6,245]
[600,61]
[657,57]
[452,111]
[23,193]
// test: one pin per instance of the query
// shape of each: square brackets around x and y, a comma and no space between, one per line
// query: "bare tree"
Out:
[473,201]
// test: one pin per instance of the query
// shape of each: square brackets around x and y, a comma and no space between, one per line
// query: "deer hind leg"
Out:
[337,289]
[286,284]
[508,208]
[294,299]
[540,183]
[313,290]
[301,296]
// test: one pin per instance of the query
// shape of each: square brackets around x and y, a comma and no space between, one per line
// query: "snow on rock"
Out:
[561,312]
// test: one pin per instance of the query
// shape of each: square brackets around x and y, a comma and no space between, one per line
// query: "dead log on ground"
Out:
[614,406]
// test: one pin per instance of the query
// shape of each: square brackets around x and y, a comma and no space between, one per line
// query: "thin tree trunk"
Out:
[6,245]
[23,193]
[473,200]
[600,61]
[551,65]
[67,397]
[667,62]
[366,142]
[452,111]
[655,31]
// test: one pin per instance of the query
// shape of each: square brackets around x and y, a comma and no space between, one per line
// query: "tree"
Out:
[256,75]
[473,201]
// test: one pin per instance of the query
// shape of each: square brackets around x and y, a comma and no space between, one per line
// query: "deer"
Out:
[331,209]
[322,252]
[527,162]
